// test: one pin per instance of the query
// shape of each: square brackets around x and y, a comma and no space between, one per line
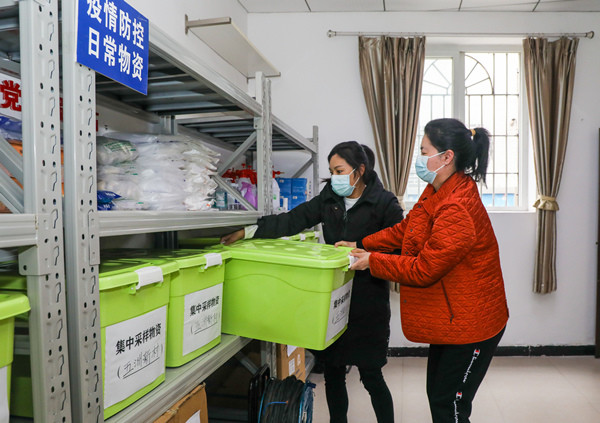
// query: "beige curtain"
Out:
[391,72]
[549,76]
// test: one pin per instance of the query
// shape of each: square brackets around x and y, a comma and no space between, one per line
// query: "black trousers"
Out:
[337,395]
[454,373]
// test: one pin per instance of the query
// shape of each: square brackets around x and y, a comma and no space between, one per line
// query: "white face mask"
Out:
[423,172]
[340,184]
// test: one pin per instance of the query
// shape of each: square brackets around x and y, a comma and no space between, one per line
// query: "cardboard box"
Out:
[290,361]
[190,409]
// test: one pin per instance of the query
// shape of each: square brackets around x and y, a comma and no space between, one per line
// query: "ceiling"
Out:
[299,6]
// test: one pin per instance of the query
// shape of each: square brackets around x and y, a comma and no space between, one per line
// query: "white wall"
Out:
[320,85]
[169,16]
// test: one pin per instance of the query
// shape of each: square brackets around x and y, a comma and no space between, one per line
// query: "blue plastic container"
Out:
[299,186]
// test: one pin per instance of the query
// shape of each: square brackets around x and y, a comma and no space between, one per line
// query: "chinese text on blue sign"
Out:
[112,39]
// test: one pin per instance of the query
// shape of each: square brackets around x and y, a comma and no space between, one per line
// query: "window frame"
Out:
[457,53]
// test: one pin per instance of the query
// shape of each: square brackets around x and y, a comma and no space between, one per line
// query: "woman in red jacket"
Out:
[451,287]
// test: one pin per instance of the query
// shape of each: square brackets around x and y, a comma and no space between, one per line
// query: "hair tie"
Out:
[473,132]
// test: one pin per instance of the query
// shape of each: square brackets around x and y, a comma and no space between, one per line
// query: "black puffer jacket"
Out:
[365,342]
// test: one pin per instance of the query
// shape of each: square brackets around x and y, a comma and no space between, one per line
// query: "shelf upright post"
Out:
[82,231]
[264,148]
[43,263]
[264,130]
[315,167]
[315,161]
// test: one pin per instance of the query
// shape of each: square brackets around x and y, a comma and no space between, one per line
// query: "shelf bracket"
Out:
[246,362]
[11,159]
[241,150]
[225,38]
[11,194]
[303,168]
[233,192]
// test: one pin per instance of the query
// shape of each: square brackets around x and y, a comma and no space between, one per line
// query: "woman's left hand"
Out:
[362,257]
[345,244]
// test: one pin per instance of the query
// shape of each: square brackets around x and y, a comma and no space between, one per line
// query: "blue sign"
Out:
[112,39]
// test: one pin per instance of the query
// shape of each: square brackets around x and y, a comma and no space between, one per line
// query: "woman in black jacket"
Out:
[352,205]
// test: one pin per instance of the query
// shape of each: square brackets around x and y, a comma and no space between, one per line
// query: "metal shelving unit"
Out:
[184,96]
[59,245]
[30,49]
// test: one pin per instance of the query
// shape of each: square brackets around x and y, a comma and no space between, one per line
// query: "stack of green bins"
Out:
[196,299]
[289,292]
[12,304]
[134,298]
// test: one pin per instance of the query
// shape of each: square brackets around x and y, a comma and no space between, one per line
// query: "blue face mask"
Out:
[340,184]
[423,172]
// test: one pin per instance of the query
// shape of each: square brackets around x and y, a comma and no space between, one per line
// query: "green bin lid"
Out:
[12,304]
[184,257]
[293,253]
[119,272]
[192,258]
[199,242]
[306,235]
[10,279]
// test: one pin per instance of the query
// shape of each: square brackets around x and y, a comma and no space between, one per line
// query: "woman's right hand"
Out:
[233,237]
[345,244]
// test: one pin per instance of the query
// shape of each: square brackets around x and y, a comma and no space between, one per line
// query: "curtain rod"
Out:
[330,33]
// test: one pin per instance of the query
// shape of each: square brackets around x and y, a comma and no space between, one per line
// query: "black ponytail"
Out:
[470,146]
[481,140]
[356,154]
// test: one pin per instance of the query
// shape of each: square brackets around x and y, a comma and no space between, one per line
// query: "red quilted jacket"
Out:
[452,291]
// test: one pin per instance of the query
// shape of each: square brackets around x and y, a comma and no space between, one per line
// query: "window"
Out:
[490,83]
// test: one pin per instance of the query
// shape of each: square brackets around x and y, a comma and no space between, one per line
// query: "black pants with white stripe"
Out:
[454,373]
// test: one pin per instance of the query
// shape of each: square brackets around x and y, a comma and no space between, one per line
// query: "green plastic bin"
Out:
[199,243]
[10,279]
[196,302]
[195,305]
[11,305]
[289,292]
[21,402]
[309,236]
[134,298]
[295,237]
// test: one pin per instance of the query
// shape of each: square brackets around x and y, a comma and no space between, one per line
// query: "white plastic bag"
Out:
[114,151]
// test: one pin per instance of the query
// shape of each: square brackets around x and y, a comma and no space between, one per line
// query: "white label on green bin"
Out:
[134,355]
[339,309]
[202,317]
[4,395]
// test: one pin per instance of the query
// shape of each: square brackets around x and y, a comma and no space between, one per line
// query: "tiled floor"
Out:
[515,390]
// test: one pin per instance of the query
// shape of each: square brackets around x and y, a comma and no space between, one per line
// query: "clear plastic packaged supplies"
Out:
[156,172]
